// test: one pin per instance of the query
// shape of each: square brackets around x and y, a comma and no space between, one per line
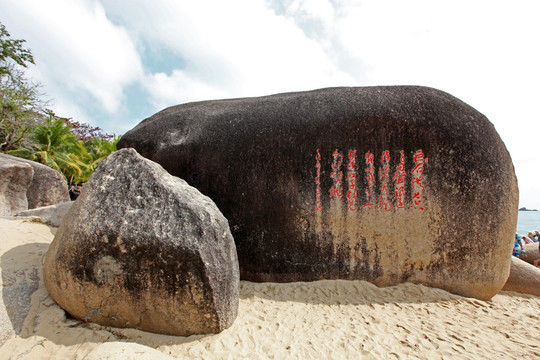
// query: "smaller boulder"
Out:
[47,187]
[524,278]
[143,249]
[50,215]
[15,179]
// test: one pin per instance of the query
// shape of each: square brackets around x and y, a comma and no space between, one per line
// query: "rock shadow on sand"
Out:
[21,272]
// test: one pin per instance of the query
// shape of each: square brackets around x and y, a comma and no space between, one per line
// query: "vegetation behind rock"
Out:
[30,131]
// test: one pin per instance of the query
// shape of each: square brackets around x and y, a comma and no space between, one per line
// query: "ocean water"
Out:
[528,221]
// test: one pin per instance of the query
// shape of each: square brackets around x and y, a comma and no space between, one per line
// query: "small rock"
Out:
[51,215]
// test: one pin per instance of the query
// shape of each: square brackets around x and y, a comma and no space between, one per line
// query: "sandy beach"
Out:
[318,320]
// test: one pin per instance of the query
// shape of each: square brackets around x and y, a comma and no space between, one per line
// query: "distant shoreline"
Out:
[525,209]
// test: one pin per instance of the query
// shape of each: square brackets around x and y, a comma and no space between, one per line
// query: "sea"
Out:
[528,221]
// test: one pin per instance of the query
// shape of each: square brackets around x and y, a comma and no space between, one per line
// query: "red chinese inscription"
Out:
[385,200]
[417,185]
[399,182]
[370,175]
[351,177]
[384,173]
[337,175]
[318,203]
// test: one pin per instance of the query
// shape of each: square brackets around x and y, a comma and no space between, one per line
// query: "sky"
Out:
[113,63]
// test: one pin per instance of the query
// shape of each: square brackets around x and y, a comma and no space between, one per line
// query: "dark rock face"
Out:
[143,249]
[47,186]
[385,184]
[15,178]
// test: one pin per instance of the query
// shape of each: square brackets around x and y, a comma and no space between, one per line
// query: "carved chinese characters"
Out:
[370,174]
[337,175]
[384,172]
[399,181]
[385,189]
[418,187]
[318,203]
[351,177]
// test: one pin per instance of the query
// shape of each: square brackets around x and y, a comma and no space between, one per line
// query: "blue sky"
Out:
[112,63]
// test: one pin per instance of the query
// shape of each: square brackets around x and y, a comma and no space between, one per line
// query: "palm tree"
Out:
[98,149]
[57,147]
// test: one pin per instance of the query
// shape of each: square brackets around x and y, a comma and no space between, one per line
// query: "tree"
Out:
[98,144]
[12,49]
[98,149]
[71,147]
[19,97]
[86,132]
[56,146]
[19,110]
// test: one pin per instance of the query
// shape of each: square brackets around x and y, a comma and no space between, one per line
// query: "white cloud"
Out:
[77,49]
[483,52]
[178,88]
[241,47]
[315,17]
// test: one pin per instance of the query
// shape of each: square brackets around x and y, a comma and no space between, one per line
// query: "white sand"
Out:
[319,320]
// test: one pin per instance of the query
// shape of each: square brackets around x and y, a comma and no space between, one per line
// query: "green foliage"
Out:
[12,49]
[68,146]
[19,110]
[54,145]
[19,98]
[99,148]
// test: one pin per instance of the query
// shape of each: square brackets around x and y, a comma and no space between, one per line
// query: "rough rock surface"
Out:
[143,249]
[385,184]
[26,184]
[51,215]
[15,178]
[524,278]
[48,186]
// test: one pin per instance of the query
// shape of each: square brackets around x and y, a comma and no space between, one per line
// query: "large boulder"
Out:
[48,186]
[15,178]
[142,249]
[384,184]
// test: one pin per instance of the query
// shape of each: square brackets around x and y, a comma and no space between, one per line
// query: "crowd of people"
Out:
[532,237]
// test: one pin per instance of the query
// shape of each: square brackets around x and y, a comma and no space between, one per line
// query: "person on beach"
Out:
[518,246]
[75,192]
[526,240]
